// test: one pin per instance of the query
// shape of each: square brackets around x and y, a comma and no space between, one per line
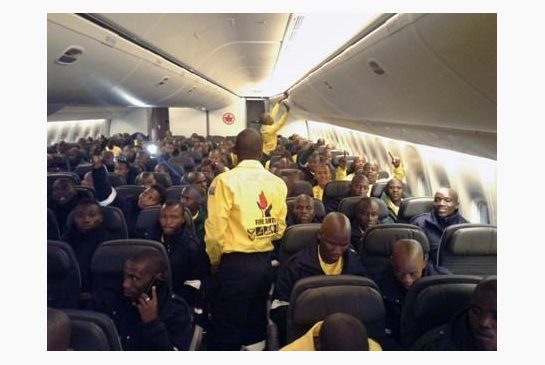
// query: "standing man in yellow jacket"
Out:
[269,128]
[246,212]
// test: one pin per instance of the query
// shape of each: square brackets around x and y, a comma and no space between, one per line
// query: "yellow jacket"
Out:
[246,211]
[268,132]
[306,342]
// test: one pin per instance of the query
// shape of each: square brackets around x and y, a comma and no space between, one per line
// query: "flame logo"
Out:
[264,205]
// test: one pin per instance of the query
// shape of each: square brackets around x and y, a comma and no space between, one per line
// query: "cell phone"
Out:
[153,283]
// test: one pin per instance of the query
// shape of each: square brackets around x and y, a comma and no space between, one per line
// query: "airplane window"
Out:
[479,212]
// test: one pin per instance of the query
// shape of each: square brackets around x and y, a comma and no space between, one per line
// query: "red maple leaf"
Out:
[262,201]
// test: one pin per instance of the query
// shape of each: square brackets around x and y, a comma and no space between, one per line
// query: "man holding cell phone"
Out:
[145,312]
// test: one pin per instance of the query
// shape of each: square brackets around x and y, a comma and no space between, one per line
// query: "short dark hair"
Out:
[155,261]
[343,332]
[161,190]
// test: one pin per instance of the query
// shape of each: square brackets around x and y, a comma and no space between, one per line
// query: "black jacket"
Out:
[394,294]
[434,226]
[301,265]
[172,330]
[188,261]
[453,336]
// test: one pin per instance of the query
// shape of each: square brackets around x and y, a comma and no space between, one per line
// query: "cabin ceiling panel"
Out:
[233,50]
[89,80]
[112,71]
[420,88]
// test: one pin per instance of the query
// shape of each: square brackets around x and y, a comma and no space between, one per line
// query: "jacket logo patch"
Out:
[263,205]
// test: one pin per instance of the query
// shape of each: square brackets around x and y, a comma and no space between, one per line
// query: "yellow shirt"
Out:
[246,211]
[340,173]
[268,132]
[306,342]
[391,205]
[335,268]
[318,192]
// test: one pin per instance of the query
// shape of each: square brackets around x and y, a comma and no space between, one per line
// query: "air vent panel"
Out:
[70,55]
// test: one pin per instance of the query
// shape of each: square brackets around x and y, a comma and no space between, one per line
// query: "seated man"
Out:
[323,176]
[332,256]
[366,214]
[85,235]
[472,329]
[337,332]
[359,186]
[407,264]
[63,199]
[147,179]
[58,330]
[146,314]
[303,211]
[188,260]
[123,168]
[193,199]
[392,196]
[198,179]
[445,213]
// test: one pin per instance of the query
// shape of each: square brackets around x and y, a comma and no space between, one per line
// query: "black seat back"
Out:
[334,192]
[125,192]
[296,238]
[411,207]
[469,249]
[302,187]
[315,297]
[378,188]
[432,301]
[92,331]
[82,169]
[109,259]
[377,243]
[53,176]
[114,221]
[53,232]
[116,180]
[174,193]
[63,275]
[85,192]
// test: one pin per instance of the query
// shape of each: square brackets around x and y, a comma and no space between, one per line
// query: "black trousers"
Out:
[239,301]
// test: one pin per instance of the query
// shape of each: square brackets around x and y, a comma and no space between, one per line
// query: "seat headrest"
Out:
[114,221]
[411,207]
[61,259]
[52,176]
[470,240]
[302,187]
[313,298]
[92,331]
[82,169]
[432,301]
[116,180]
[347,206]
[174,193]
[378,240]
[110,256]
[85,192]
[129,190]
[319,209]
[297,237]
[336,188]
[378,188]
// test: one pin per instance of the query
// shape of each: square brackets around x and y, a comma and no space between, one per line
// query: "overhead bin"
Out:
[112,71]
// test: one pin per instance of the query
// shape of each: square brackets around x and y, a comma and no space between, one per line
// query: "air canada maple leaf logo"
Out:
[263,205]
